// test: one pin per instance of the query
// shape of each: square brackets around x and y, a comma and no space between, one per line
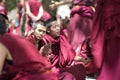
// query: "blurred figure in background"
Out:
[106,39]
[21,17]
[13,28]
[3,9]
[35,12]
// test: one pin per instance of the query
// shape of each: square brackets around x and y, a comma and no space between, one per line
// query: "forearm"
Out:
[42,51]
[78,59]
[28,12]
[35,18]
[81,59]
[63,2]
[31,15]
[40,13]
[2,57]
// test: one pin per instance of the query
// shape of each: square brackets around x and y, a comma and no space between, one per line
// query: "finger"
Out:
[52,2]
[48,46]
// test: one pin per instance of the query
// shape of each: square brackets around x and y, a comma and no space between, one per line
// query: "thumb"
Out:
[52,2]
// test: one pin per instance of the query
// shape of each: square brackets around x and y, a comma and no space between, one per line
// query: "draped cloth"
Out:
[62,57]
[34,7]
[62,52]
[79,27]
[3,9]
[28,64]
[84,2]
[106,39]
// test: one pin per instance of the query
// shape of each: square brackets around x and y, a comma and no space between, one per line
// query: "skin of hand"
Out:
[80,59]
[53,5]
[45,49]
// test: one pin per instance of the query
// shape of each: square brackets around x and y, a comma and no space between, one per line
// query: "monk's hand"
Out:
[46,49]
[53,5]
[81,59]
[86,60]
[77,58]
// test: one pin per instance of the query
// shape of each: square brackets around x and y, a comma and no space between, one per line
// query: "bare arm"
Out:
[3,55]
[64,2]
[80,59]
[34,18]
[45,49]
[56,4]
[40,13]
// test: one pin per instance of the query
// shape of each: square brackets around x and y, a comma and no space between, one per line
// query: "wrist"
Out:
[56,4]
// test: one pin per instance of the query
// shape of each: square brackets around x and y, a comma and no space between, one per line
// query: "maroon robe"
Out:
[106,39]
[14,31]
[3,9]
[64,32]
[28,64]
[31,38]
[34,8]
[62,57]
[86,52]
[61,50]
[79,27]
